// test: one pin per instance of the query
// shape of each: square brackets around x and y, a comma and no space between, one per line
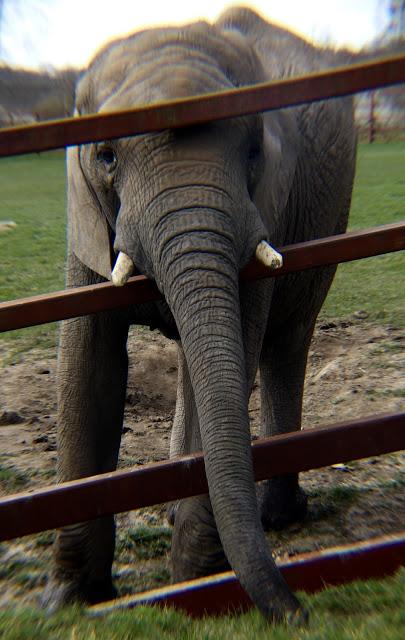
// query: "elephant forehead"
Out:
[165,79]
[164,64]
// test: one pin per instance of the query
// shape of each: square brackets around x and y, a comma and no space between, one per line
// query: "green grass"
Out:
[145,542]
[32,254]
[375,284]
[358,611]
[11,479]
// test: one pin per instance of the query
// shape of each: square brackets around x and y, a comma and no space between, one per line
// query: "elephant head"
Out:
[179,206]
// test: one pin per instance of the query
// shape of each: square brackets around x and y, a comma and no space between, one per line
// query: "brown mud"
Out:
[355,369]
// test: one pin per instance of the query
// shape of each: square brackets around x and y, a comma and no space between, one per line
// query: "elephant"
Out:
[187,207]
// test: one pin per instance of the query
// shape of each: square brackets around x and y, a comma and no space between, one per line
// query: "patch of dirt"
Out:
[355,369]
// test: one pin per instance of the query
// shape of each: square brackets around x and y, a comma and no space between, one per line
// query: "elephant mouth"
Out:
[164,320]
[124,266]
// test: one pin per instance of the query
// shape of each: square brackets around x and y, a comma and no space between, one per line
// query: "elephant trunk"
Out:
[201,288]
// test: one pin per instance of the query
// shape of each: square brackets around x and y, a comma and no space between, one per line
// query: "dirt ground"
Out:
[355,369]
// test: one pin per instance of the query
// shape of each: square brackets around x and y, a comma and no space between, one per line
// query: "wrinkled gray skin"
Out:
[189,207]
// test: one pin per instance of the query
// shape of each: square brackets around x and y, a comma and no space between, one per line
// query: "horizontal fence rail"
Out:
[220,594]
[289,92]
[40,309]
[121,491]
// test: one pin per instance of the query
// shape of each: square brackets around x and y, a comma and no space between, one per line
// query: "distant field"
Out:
[32,255]
[375,285]
[32,192]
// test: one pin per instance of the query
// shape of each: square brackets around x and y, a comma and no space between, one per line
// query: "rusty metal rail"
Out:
[313,87]
[305,255]
[221,594]
[120,491]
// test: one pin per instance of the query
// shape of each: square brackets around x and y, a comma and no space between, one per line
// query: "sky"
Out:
[61,33]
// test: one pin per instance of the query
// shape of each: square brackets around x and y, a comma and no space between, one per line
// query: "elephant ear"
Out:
[88,231]
[280,149]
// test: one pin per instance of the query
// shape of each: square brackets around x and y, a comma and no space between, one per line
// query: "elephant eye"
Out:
[106,156]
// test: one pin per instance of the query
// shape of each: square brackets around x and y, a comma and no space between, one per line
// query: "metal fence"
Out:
[119,491]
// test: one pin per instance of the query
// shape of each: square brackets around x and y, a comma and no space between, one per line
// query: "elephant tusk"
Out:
[123,269]
[268,256]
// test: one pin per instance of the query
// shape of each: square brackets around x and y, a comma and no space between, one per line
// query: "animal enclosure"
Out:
[68,503]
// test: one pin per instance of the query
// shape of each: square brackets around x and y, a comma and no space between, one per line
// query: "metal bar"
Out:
[80,301]
[70,303]
[221,594]
[120,491]
[204,108]
[344,247]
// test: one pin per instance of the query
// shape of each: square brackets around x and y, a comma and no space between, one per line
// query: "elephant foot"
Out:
[281,502]
[61,593]
[81,571]
[298,617]
[196,547]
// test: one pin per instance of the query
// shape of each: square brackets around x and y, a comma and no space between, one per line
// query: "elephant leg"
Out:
[283,364]
[92,375]
[196,548]
[185,422]
[185,436]
[282,373]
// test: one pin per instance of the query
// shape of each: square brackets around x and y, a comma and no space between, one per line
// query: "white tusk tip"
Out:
[268,256]
[118,281]
[123,269]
